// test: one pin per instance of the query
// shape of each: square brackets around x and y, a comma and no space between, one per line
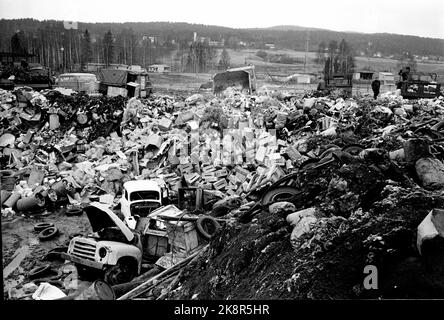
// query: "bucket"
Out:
[4,195]
[12,200]
[99,290]
[30,204]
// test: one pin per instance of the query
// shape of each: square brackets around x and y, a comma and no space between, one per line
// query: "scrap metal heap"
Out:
[357,175]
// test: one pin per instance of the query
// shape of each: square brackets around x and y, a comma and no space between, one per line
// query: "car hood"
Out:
[100,216]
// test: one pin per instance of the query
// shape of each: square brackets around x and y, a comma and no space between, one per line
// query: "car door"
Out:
[125,204]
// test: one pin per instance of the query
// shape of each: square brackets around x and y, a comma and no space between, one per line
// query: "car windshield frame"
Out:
[144,195]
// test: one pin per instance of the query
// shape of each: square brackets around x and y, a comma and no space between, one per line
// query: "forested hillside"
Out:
[144,42]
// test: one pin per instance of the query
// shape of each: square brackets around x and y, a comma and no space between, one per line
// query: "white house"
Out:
[386,78]
[159,68]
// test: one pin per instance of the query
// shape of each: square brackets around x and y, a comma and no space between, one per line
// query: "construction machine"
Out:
[26,74]
[337,78]
[420,85]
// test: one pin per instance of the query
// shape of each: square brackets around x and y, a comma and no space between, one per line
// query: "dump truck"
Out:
[243,77]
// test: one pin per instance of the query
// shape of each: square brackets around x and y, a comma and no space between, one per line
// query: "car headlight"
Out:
[102,252]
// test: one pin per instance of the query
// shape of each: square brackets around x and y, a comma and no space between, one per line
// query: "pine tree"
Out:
[86,48]
[108,47]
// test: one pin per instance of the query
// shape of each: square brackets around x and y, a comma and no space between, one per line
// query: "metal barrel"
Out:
[60,188]
[99,290]
[12,200]
[29,204]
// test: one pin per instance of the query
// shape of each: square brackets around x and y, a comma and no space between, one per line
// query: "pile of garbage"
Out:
[353,168]
[376,174]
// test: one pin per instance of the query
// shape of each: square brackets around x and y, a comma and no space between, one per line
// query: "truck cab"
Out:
[139,199]
[112,247]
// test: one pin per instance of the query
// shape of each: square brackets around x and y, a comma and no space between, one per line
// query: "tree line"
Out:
[71,50]
[147,43]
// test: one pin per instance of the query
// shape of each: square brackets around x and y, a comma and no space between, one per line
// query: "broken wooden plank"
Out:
[20,255]
[136,291]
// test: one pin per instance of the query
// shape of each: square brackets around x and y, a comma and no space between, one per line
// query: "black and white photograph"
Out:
[232,152]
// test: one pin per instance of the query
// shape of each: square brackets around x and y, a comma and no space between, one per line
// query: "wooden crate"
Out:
[156,242]
[182,235]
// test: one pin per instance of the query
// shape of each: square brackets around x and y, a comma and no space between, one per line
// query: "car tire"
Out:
[207,226]
[48,233]
[279,194]
[118,274]
[353,149]
[39,271]
[42,226]
[74,212]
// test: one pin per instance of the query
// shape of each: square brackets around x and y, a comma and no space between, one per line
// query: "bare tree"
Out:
[224,61]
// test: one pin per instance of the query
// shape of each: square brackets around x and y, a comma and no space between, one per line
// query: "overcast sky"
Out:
[414,17]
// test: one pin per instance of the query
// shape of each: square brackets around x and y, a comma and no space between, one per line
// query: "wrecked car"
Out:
[139,198]
[113,247]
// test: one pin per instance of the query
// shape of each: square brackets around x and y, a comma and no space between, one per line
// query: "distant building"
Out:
[94,67]
[159,68]
[386,78]
[299,78]
[270,46]
[203,39]
[212,43]
[363,75]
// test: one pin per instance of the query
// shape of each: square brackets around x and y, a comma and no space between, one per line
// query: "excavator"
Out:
[337,78]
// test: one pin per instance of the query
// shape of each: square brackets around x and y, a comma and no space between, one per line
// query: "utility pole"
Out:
[306,50]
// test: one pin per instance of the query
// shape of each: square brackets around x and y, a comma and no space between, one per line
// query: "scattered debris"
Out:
[209,196]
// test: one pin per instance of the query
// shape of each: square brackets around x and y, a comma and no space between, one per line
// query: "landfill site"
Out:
[268,195]
[120,182]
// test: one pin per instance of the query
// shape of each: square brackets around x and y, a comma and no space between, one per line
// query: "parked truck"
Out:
[112,247]
[26,74]
[125,81]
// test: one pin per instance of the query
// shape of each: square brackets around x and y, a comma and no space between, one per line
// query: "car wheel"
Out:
[39,271]
[42,226]
[207,226]
[353,149]
[279,194]
[120,273]
[48,233]
[74,212]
